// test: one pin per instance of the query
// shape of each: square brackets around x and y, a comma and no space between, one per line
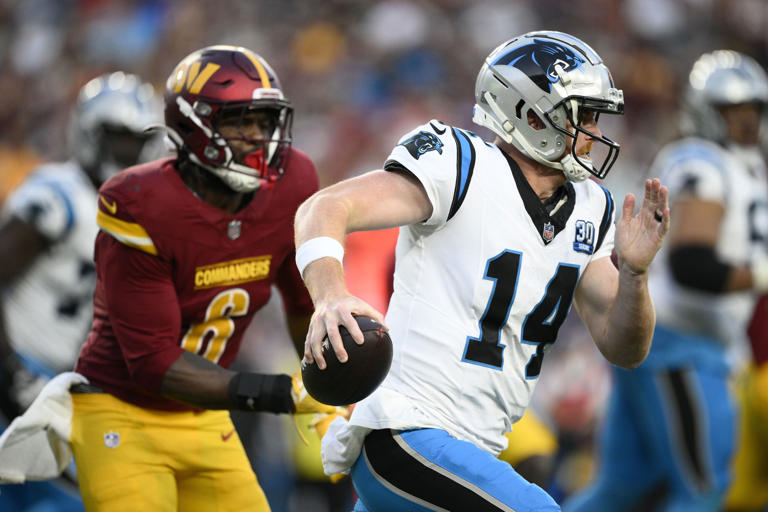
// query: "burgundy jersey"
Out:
[175,273]
[758,331]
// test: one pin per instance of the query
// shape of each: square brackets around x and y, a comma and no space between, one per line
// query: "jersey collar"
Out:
[548,225]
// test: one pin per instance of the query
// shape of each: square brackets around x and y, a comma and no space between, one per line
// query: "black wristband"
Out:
[258,392]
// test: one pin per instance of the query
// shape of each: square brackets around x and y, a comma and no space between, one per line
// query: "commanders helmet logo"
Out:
[422,142]
[538,60]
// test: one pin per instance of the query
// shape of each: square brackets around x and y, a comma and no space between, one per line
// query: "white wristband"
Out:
[760,276]
[316,248]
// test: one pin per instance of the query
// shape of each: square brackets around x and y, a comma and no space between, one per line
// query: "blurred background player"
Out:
[188,250]
[46,255]
[670,428]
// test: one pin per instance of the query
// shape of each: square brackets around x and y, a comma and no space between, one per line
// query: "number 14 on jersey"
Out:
[540,325]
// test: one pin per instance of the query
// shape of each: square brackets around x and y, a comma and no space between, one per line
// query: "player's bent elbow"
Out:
[631,364]
[303,211]
[626,355]
[634,359]
[323,204]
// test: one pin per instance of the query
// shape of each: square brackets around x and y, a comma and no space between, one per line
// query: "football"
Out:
[366,366]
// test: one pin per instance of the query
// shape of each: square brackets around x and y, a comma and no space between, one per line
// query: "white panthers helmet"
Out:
[720,78]
[557,77]
[109,123]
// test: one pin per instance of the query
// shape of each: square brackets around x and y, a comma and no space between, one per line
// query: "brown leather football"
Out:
[366,366]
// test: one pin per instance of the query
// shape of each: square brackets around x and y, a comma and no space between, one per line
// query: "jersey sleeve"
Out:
[143,308]
[120,225]
[431,153]
[693,170]
[607,229]
[44,205]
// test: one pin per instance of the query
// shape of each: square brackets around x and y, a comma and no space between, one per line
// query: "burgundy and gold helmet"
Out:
[228,81]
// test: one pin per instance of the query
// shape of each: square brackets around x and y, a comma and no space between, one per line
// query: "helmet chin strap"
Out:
[569,165]
[572,169]
[237,181]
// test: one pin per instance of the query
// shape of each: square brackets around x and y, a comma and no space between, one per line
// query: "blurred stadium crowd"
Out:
[360,73]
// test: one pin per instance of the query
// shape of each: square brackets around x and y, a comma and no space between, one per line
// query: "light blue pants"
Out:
[427,469]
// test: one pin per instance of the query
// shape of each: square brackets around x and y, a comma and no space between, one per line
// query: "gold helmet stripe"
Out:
[259,68]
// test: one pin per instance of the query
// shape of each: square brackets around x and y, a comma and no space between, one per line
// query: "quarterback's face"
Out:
[587,122]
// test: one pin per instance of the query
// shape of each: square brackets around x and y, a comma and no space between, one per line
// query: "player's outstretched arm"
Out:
[376,200]
[196,381]
[616,305]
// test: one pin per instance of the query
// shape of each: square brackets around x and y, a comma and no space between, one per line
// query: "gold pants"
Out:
[132,459]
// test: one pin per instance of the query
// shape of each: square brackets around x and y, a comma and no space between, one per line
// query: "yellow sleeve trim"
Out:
[129,233]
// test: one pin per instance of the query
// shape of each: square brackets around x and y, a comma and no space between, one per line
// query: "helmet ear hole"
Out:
[185,128]
[519,109]
[534,121]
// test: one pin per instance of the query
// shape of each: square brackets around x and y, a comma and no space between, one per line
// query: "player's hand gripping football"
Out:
[639,237]
[330,313]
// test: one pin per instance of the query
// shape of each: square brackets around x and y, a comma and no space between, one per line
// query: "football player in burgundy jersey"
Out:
[187,252]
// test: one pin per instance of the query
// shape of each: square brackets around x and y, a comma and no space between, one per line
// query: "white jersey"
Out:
[48,309]
[698,168]
[480,288]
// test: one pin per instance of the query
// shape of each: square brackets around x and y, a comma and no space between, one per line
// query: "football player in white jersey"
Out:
[497,241]
[48,227]
[670,427]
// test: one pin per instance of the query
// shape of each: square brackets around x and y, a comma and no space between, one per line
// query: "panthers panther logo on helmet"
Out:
[422,142]
[518,77]
[538,60]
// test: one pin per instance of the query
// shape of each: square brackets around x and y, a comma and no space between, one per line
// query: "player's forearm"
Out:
[195,381]
[631,321]
[322,216]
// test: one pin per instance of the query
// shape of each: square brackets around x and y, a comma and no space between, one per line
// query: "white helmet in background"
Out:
[717,79]
[557,77]
[109,122]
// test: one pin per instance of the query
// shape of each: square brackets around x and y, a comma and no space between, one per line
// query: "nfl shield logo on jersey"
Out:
[548,233]
[233,230]
[112,439]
